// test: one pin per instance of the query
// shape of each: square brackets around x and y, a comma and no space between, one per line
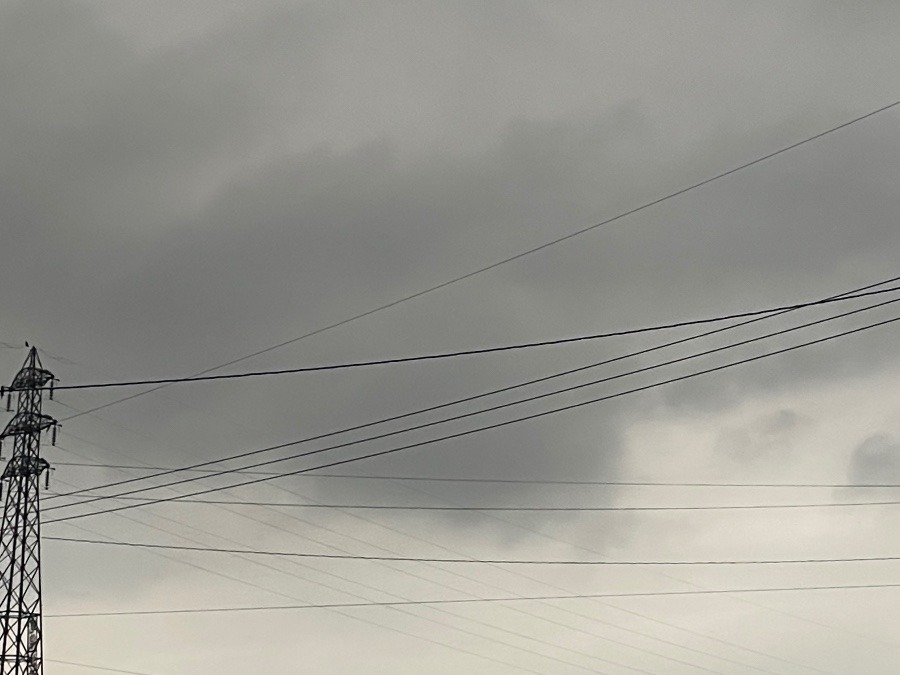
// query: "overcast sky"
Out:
[183,184]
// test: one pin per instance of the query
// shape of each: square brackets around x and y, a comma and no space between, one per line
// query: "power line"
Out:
[91,666]
[517,256]
[552,587]
[562,509]
[540,526]
[449,625]
[518,573]
[478,351]
[507,422]
[357,582]
[476,561]
[454,601]
[495,425]
[447,612]
[293,597]
[460,574]
[517,481]
[470,398]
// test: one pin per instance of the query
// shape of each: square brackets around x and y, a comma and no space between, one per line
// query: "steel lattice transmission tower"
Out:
[21,649]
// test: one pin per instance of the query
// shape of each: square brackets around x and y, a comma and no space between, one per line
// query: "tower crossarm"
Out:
[27,422]
[33,377]
[24,465]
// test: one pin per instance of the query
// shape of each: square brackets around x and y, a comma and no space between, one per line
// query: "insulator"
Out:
[51,390]
[9,402]
[47,480]
[53,440]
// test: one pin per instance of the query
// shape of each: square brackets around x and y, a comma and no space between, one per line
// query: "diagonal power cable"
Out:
[516,481]
[358,427]
[479,351]
[476,561]
[495,425]
[517,256]
[638,594]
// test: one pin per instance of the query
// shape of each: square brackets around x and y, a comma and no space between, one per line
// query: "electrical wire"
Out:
[256,584]
[474,397]
[540,527]
[281,592]
[517,256]
[477,561]
[580,616]
[514,420]
[553,587]
[561,509]
[516,481]
[469,432]
[255,561]
[474,352]
[90,666]
[454,601]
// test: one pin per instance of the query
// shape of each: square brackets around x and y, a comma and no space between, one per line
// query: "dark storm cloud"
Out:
[103,148]
[312,230]
[196,182]
[283,241]
[304,232]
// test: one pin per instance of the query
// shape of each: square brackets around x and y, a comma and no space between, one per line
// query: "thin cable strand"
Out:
[496,425]
[477,561]
[517,481]
[482,411]
[470,398]
[517,256]
[454,601]
[90,666]
[474,352]
[563,509]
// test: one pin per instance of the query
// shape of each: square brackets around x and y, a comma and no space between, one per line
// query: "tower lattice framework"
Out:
[21,627]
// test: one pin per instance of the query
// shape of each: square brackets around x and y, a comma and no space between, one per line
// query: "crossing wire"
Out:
[518,573]
[478,351]
[517,481]
[470,398]
[495,425]
[476,561]
[444,611]
[562,509]
[517,256]
[580,616]
[553,587]
[458,401]
[456,601]
[343,591]
[456,417]
[89,666]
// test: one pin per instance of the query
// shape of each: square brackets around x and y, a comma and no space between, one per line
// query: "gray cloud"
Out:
[184,183]
[875,460]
